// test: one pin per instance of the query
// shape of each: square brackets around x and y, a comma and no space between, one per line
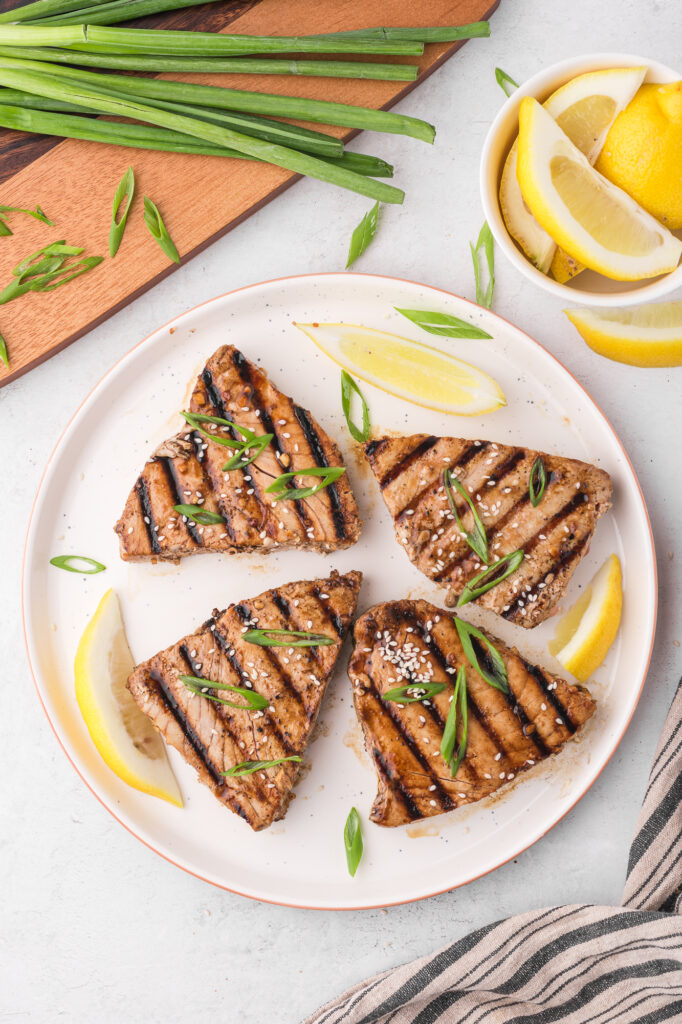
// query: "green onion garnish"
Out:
[77,563]
[199,515]
[4,355]
[497,677]
[276,638]
[485,242]
[442,324]
[283,493]
[363,234]
[195,420]
[537,481]
[248,453]
[477,539]
[154,222]
[414,693]
[5,229]
[459,703]
[248,767]
[352,840]
[348,386]
[124,190]
[254,701]
[505,81]
[38,214]
[490,577]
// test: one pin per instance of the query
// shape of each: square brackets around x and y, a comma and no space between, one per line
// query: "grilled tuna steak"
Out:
[213,737]
[187,470]
[404,643]
[553,536]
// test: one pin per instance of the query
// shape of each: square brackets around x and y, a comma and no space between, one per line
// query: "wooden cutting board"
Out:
[200,197]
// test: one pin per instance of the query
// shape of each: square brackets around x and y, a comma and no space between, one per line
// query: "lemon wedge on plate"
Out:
[593,220]
[124,737]
[648,335]
[408,369]
[584,108]
[585,633]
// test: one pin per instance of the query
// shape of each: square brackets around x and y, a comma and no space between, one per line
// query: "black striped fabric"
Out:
[579,964]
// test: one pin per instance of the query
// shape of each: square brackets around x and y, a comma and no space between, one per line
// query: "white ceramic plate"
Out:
[301,861]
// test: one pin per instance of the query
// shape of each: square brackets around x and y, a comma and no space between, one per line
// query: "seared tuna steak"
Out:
[213,737]
[554,535]
[188,470]
[408,643]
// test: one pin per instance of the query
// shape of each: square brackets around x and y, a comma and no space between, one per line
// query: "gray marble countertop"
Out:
[96,928]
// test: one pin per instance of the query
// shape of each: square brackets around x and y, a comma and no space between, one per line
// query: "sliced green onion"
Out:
[154,222]
[196,419]
[283,493]
[5,229]
[442,324]
[352,840]
[348,386]
[248,453]
[414,693]
[76,563]
[49,282]
[254,701]
[490,577]
[4,355]
[277,638]
[484,297]
[363,234]
[124,190]
[476,539]
[497,675]
[537,481]
[38,214]
[248,767]
[53,249]
[505,81]
[199,515]
[458,704]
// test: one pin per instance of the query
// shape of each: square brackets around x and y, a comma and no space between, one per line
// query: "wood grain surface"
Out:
[200,198]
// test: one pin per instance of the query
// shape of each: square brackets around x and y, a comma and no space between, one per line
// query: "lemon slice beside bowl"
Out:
[123,735]
[593,220]
[584,635]
[408,369]
[648,335]
[584,108]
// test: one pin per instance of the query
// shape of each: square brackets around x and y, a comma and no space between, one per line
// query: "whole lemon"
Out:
[642,153]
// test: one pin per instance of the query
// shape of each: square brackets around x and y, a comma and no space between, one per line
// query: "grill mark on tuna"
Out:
[246,616]
[502,470]
[187,730]
[285,608]
[528,727]
[463,458]
[327,614]
[208,484]
[373,447]
[174,487]
[147,514]
[311,436]
[398,468]
[396,784]
[540,678]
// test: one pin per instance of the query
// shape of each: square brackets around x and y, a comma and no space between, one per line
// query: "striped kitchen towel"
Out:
[574,964]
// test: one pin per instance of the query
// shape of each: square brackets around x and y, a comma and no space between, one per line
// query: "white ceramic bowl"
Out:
[588,288]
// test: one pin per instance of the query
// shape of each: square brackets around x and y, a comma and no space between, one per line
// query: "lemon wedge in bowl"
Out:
[125,738]
[585,633]
[584,108]
[408,369]
[648,335]
[593,220]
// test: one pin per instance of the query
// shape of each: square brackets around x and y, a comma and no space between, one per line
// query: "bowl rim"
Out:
[540,86]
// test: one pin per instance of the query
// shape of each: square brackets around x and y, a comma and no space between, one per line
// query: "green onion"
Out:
[348,386]
[436,34]
[154,222]
[108,13]
[458,703]
[42,270]
[490,577]
[59,248]
[497,676]
[4,229]
[276,638]
[4,355]
[248,767]
[38,214]
[485,242]
[283,493]
[36,35]
[442,324]
[414,693]
[505,81]
[478,539]
[75,563]
[363,234]
[248,453]
[537,481]
[125,190]
[196,419]
[199,515]
[254,701]
[43,8]
[352,840]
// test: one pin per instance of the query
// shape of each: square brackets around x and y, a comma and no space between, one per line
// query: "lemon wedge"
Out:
[593,220]
[585,633]
[125,738]
[648,335]
[408,369]
[584,108]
